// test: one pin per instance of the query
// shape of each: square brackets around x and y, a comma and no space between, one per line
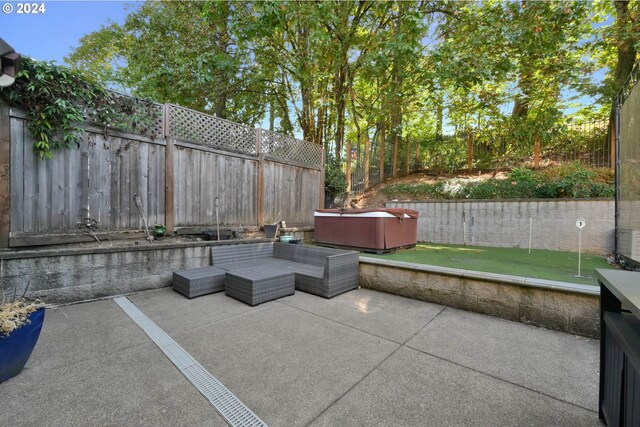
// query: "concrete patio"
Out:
[362,358]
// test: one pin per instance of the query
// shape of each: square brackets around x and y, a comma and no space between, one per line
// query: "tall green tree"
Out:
[169,52]
[345,73]
[288,39]
[615,44]
[525,53]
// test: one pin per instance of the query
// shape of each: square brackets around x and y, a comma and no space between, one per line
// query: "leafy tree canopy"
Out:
[344,73]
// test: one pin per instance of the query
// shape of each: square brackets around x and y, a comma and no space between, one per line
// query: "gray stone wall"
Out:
[70,275]
[506,223]
[563,307]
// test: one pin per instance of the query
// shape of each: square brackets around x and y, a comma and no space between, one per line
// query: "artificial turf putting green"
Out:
[541,264]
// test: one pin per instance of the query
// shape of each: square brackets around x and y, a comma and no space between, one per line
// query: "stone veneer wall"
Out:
[505,223]
[554,305]
[76,274]
[71,275]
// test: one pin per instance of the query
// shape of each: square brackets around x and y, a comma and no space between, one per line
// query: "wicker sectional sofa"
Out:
[321,271]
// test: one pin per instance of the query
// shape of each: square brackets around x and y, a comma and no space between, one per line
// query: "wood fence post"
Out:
[394,161]
[536,151]
[382,147]
[260,180]
[470,152]
[322,180]
[367,159]
[5,176]
[348,167]
[407,157]
[168,172]
[84,185]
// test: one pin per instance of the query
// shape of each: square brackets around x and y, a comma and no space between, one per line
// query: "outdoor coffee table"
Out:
[198,281]
[258,284]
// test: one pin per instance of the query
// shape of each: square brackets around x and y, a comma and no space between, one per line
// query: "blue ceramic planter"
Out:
[17,347]
[287,238]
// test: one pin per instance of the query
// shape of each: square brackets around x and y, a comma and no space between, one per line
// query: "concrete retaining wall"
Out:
[563,307]
[506,223]
[72,274]
[67,274]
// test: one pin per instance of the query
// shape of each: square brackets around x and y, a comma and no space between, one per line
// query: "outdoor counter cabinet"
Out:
[619,402]
[375,230]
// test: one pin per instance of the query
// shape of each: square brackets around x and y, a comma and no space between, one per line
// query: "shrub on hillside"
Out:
[335,181]
[559,172]
[522,175]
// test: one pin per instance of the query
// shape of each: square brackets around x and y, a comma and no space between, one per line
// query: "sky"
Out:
[51,34]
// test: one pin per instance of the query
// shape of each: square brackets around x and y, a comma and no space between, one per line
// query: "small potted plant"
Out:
[271,228]
[238,232]
[159,231]
[21,320]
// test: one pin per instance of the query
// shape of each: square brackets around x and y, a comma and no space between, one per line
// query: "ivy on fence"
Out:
[58,100]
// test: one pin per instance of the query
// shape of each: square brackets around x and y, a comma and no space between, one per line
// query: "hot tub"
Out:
[376,230]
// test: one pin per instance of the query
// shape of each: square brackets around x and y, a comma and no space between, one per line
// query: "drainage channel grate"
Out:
[225,403]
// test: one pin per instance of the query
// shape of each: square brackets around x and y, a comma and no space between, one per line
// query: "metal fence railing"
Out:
[585,142]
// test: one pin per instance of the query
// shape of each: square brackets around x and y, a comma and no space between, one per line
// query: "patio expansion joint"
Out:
[444,359]
[365,376]
[427,324]
[339,323]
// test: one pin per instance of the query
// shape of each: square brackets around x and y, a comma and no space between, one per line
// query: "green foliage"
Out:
[556,182]
[557,173]
[341,71]
[53,98]
[522,175]
[187,53]
[335,179]
[58,100]
[614,45]
[495,53]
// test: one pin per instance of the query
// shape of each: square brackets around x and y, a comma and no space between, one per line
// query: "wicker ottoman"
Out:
[258,284]
[198,281]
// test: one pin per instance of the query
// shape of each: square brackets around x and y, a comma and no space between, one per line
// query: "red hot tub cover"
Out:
[368,229]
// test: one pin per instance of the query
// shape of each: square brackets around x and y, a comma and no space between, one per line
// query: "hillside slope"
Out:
[559,181]
[375,197]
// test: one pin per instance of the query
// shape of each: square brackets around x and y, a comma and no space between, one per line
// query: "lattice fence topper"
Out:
[158,124]
[139,116]
[288,148]
[211,131]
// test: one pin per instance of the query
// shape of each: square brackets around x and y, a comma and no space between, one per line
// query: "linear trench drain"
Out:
[223,400]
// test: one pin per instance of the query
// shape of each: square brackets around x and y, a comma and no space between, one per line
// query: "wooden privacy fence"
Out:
[257,176]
